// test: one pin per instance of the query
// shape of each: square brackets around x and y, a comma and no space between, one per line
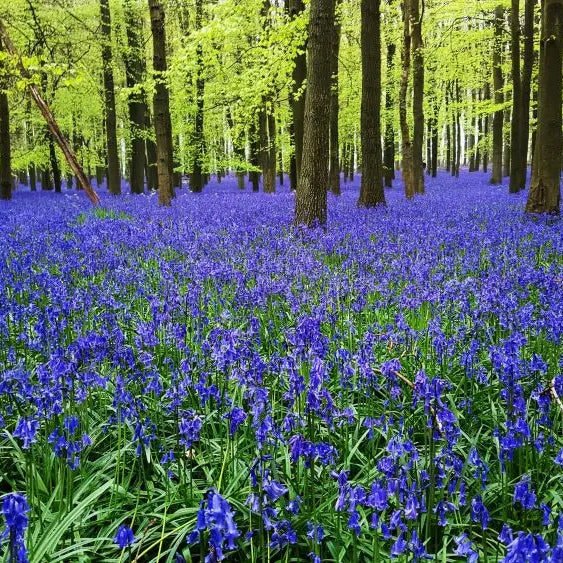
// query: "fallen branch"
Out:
[49,118]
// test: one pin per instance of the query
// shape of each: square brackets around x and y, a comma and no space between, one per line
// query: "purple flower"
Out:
[124,537]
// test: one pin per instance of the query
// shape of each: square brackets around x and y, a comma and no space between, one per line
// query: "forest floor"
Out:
[224,384]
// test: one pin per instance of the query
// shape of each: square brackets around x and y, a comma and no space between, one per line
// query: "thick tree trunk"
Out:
[516,125]
[198,142]
[161,104]
[310,205]
[389,143]
[299,74]
[498,85]
[114,181]
[406,143]
[418,96]
[136,104]
[334,164]
[527,70]
[545,189]
[371,190]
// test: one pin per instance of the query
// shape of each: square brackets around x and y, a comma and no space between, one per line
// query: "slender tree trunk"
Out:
[545,189]
[136,104]
[5,148]
[151,171]
[471,137]
[254,175]
[448,132]
[498,85]
[527,70]
[310,206]
[196,179]
[516,125]
[406,142]
[418,96]
[371,190]
[487,97]
[114,181]
[389,150]
[238,148]
[161,104]
[267,129]
[435,139]
[458,129]
[507,158]
[299,74]
[334,163]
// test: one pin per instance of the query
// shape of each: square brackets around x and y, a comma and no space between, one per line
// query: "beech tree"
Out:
[371,191]
[545,189]
[312,184]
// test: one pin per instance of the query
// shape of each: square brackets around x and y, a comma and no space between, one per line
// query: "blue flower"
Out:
[14,510]
[124,537]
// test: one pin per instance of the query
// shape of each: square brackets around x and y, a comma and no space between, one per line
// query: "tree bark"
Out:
[298,94]
[136,103]
[198,142]
[5,148]
[527,70]
[161,104]
[267,129]
[254,175]
[545,189]
[114,180]
[418,96]
[371,190]
[516,125]
[389,143]
[406,143]
[498,85]
[310,206]
[334,164]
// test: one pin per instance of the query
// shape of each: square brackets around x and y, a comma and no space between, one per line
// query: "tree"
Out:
[297,94]
[135,69]
[334,164]
[5,148]
[525,93]
[310,203]
[516,123]
[371,190]
[406,143]
[498,85]
[418,96]
[545,188]
[389,142]
[196,177]
[114,177]
[161,104]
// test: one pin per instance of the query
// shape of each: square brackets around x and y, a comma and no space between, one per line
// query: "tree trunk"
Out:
[334,164]
[545,189]
[254,175]
[418,96]
[458,129]
[267,129]
[498,85]
[487,97]
[196,179]
[114,180]
[527,69]
[161,104]
[435,140]
[310,205]
[507,148]
[471,136]
[371,190]
[299,74]
[151,171]
[5,148]
[389,150]
[406,143]
[516,125]
[136,104]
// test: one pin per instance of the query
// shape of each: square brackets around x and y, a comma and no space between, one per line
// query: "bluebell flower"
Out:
[14,510]
[124,537]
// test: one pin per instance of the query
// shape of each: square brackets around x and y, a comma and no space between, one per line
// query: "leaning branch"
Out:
[49,117]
